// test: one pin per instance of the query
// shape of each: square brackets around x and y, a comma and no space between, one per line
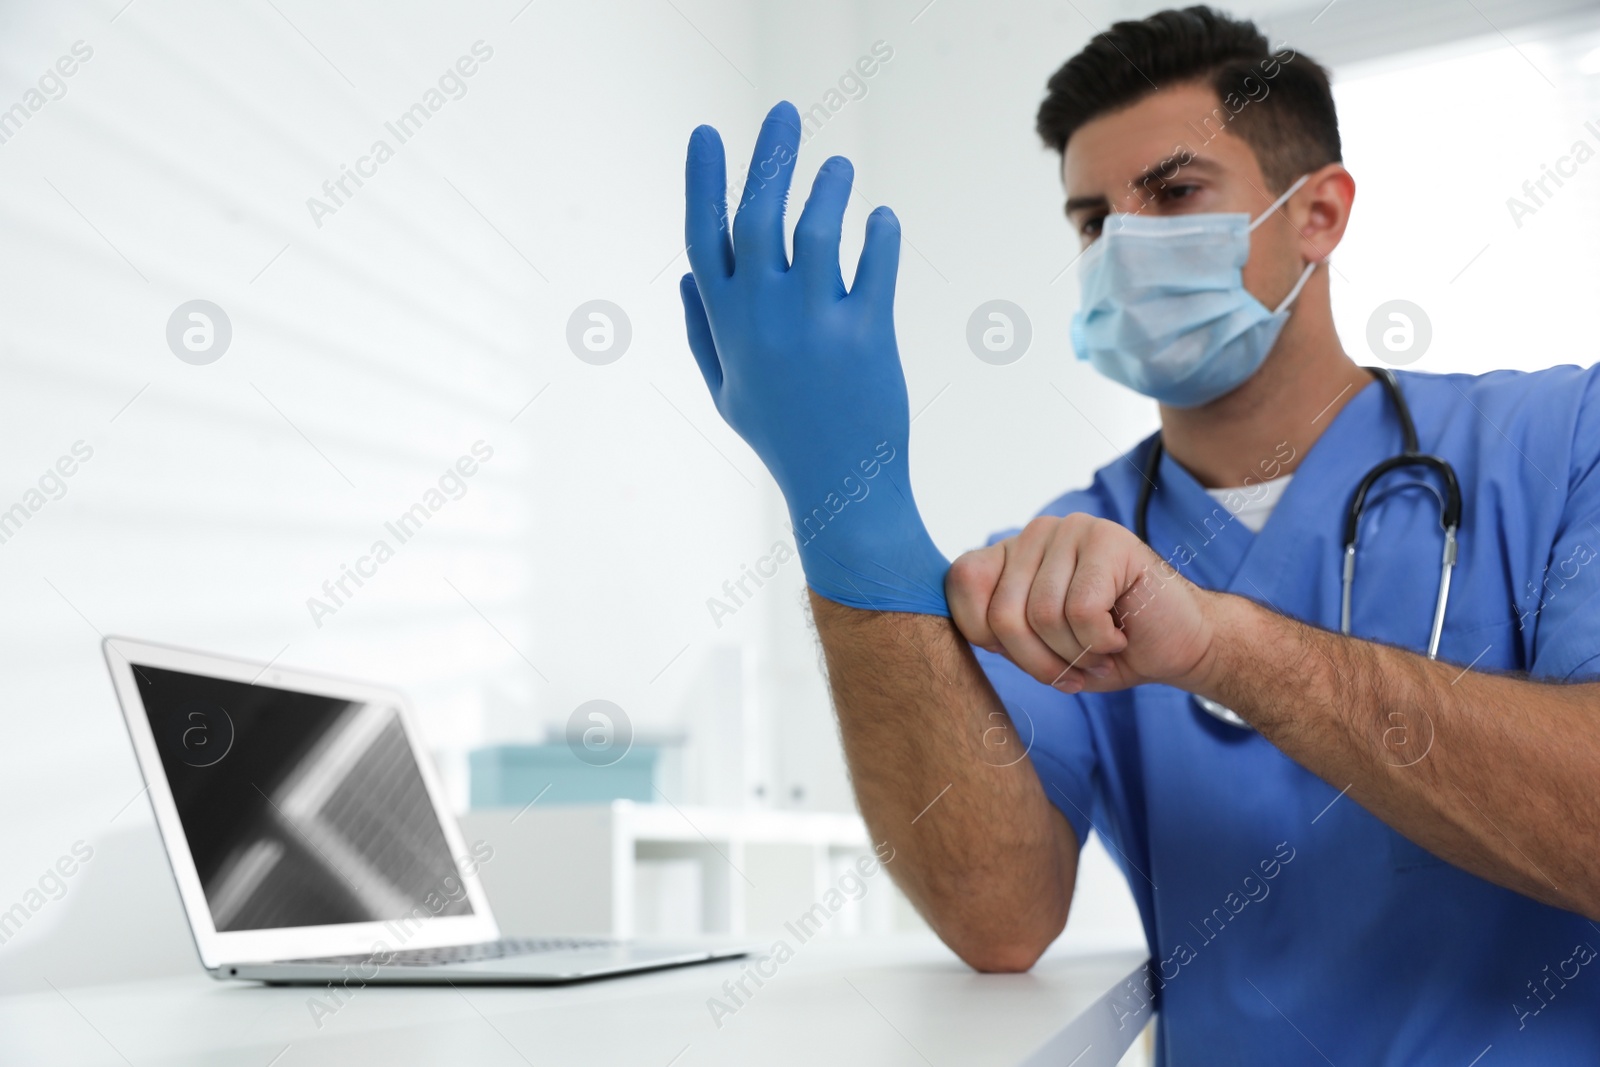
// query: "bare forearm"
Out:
[1495,774]
[978,847]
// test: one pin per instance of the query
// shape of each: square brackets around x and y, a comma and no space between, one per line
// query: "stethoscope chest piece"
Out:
[1221,712]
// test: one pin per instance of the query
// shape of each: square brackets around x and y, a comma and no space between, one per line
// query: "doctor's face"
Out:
[1168,154]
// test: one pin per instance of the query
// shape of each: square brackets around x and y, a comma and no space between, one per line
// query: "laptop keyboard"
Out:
[486,950]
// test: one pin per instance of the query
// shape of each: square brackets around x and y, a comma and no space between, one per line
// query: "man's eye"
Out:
[1091,227]
[1179,192]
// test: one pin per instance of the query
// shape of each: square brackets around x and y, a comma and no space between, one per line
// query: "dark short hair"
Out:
[1279,103]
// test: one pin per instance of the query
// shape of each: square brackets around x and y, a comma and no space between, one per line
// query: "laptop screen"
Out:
[299,809]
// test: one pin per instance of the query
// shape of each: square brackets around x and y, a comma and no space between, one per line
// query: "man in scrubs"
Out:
[1398,859]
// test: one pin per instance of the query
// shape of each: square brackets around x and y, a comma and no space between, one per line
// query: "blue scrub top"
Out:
[1286,924]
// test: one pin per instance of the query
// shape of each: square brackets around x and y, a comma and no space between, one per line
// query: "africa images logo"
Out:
[199,732]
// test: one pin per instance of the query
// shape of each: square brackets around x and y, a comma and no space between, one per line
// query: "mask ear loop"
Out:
[1276,204]
[1305,275]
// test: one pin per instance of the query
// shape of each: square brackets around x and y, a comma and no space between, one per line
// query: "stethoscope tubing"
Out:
[1410,455]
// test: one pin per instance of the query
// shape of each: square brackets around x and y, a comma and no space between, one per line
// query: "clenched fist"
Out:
[1082,604]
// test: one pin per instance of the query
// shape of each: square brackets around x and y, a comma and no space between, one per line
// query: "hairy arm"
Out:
[1492,772]
[809,375]
[978,848]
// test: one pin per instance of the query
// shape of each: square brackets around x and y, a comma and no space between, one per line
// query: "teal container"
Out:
[509,776]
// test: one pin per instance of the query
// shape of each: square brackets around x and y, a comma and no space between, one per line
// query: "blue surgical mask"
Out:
[1165,311]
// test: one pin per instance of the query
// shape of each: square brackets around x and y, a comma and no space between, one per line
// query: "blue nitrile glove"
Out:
[808,374]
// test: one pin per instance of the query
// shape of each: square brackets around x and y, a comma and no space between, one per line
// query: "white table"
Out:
[902,999]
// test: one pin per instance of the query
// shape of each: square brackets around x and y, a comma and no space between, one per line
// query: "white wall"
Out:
[1433,224]
[367,355]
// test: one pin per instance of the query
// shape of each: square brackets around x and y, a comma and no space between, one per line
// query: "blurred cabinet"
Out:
[515,775]
[626,869]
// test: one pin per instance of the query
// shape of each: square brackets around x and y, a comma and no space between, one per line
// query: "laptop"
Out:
[309,839]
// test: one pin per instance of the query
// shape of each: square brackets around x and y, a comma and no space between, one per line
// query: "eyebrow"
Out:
[1152,173]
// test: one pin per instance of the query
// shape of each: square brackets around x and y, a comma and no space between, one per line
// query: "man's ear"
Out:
[1325,208]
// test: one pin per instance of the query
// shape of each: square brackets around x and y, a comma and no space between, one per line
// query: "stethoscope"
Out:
[1409,456]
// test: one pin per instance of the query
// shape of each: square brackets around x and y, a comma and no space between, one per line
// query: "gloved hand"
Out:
[807,373]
